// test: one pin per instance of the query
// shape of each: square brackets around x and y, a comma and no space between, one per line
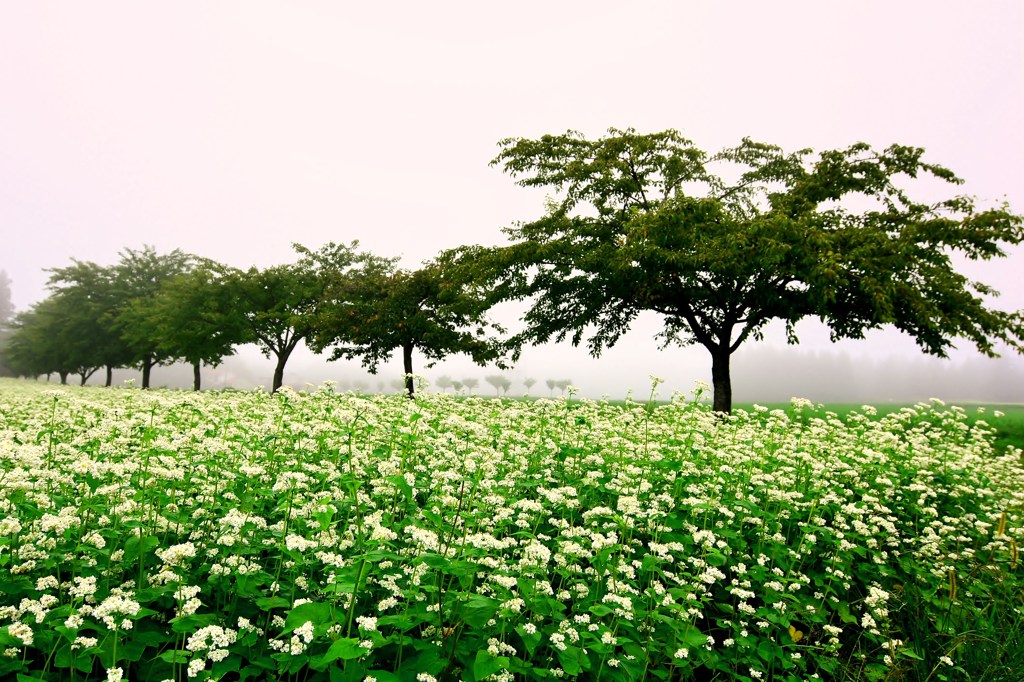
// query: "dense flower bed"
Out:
[165,536]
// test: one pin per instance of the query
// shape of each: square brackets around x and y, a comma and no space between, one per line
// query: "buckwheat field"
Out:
[159,535]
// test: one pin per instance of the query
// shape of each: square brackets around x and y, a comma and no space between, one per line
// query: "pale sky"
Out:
[233,129]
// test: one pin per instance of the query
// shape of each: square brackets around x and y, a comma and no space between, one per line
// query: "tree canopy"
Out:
[721,245]
[431,310]
[82,311]
[138,278]
[191,317]
[281,306]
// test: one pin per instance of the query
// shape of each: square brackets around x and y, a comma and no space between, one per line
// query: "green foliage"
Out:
[433,310]
[722,245]
[138,278]
[191,317]
[280,306]
[35,346]
[84,304]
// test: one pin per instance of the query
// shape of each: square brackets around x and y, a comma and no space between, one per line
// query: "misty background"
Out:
[232,130]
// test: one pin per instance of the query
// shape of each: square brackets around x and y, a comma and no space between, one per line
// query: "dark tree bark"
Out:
[407,363]
[147,369]
[110,376]
[282,359]
[721,381]
[195,376]
[63,378]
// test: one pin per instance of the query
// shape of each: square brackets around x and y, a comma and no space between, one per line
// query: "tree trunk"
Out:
[147,369]
[195,376]
[407,362]
[83,377]
[282,359]
[110,376]
[63,378]
[721,382]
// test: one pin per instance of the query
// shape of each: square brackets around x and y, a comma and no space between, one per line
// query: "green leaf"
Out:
[487,664]
[768,650]
[189,624]
[7,639]
[344,649]
[10,665]
[571,660]
[314,612]
[135,546]
[716,559]
[530,641]
[269,603]
[383,676]
[479,610]
[175,656]
[844,613]
[403,486]
[65,632]
[693,638]
[230,664]
[432,659]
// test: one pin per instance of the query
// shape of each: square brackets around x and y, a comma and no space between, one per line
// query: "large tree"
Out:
[92,298]
[191,318]
[280,306]
[138,278]
[54,336]
[721,245]
[434,311]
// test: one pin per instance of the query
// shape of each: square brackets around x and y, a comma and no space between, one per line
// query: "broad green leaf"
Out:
[175,656]
[530,641]
[343,649]
[486,664]
[317,613]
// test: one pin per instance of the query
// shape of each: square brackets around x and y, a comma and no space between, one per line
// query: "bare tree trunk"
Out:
[721,381]
[63,378]
[407,362]
[110,376]
[147,370]
[195,375]
[282,359]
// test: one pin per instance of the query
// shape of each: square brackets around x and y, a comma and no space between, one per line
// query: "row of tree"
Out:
[500,383]
[718,245]
[150,309]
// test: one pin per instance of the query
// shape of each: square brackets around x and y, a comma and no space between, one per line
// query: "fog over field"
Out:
[231,130]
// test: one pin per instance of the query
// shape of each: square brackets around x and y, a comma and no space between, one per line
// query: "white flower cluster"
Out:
[296,645]
[175,555]
[117,605]
[209,643]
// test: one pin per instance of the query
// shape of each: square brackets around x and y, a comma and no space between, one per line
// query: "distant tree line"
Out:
[153,309]
[6,315]
[717,245]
